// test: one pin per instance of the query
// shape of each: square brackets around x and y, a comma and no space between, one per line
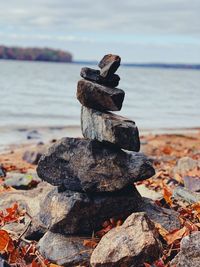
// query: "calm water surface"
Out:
[44,94]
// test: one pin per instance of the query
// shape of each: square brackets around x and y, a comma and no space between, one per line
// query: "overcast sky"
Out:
[138,30]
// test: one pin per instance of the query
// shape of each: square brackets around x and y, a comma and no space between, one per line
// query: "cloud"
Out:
[166,23]
[130,16]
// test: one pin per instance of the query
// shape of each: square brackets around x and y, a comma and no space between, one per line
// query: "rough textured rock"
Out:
[111,128]
[91,166]
[90,74]
[167,218]
[109,64]
[186,164]
[71,212]
[111,81]
[131,244]
[65,251]
[189,255]
[184,194]
[192,183]
[100,97]
[94,75]
[2,171]
[3,263]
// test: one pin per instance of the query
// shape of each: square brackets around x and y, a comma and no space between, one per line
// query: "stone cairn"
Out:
[93,176]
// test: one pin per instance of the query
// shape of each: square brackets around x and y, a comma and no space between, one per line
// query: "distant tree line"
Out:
[34,54]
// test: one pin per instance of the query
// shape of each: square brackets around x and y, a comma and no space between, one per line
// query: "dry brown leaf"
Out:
[6,243]
[90,243]
[167,194]
[162,231]
[176,235]
[167,150]
[196,207]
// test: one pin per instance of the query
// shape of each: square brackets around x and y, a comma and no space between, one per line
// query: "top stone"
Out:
[108,65]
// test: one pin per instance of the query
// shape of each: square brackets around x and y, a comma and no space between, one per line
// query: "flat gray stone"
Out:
[100,97]
[64,250]
[71,212]
[189,255]
[192,183]
[130,245]
[184,194]
[111,128]
[186,164]
[91,166]
[21,180]
[167,218]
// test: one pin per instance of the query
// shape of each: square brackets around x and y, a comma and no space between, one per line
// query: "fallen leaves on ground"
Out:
[12,214]
[165,150]
[14,249]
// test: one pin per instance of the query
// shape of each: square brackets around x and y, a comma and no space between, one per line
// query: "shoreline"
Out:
[18,137]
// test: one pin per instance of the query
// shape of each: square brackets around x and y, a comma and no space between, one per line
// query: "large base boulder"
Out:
[130,245]
[71,212]
[109,127]
[91,166]
[66,251]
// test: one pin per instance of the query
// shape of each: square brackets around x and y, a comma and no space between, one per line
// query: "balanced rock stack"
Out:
[94,175]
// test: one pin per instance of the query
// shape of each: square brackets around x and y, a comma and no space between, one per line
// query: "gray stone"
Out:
[3,263]
[21,180]
[130,245]
[109,64]
[2,171]
[111,128]
[100,97]
[34,134]
[64,250]
[71,212]
[192,183]
[91,166]
[94,75]
[186,164]
[184,194]
[189,255]
[167,218]
[111,81]
[90,74]
[33,154]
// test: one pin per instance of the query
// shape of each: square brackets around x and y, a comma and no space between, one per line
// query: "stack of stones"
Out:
[93,176]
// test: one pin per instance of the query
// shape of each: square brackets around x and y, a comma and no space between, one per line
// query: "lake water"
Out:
[34,94]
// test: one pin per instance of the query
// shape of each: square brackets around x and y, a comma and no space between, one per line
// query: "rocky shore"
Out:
[97,201]
[29,192]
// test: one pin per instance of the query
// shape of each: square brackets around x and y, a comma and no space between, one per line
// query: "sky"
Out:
[138,30]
